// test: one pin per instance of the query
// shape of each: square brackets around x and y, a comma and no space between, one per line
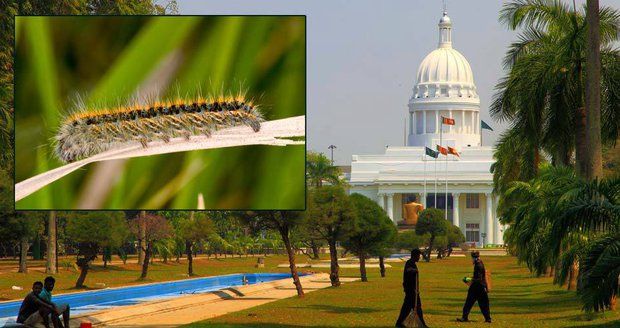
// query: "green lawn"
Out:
[518,300]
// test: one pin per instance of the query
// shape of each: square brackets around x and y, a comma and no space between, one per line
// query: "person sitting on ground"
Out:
[477,291]
[34,310]
[46,296]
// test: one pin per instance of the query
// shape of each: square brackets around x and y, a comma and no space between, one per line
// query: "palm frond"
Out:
[599,273]
[536,13]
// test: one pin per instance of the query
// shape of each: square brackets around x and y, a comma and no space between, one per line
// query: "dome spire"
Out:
[445,29]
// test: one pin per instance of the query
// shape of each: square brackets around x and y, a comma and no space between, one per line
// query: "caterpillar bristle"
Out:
[88,132]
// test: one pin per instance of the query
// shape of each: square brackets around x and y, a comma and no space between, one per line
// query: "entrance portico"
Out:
[477,208]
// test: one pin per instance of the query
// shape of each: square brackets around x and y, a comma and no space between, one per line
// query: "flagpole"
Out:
[440,142]
[435,203]
[424,159]
[446,211]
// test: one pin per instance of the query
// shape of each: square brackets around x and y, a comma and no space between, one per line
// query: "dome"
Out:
[445,19]
[444,88]
[445,72]
[445,65]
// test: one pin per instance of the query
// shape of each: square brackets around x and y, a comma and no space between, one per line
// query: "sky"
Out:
[363,56]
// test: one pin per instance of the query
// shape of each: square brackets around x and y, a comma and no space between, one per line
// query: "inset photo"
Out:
[147,112]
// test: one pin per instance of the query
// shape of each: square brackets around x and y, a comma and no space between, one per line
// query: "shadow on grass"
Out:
[615,323]
[339,309]
[260,325]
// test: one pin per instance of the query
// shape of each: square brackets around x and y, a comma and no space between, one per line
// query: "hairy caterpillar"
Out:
[87,133]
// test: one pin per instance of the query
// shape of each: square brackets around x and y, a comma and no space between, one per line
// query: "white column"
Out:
[473,118]
[423,200]
[499,234]
[488,227]
[455,209]
[390,206]
[424,122]
[381,200]
[437,125]
[450,126]
[462,129]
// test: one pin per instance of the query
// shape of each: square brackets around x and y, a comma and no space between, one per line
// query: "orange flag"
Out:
[442,150]
[453,151]
[447,120]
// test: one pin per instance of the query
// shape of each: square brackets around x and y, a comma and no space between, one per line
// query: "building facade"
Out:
[460,185]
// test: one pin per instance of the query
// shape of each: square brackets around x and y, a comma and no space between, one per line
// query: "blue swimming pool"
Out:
[105,298]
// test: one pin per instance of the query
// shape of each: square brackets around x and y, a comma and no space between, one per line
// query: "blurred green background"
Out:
[105,59]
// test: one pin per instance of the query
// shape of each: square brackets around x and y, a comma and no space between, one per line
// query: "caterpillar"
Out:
[87,133]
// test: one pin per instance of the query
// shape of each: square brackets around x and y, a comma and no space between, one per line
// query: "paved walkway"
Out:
[192,308]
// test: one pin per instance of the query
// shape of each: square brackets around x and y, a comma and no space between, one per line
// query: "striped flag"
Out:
[431,152]
[447,121]
[485,126]
[453,151]
[442,150]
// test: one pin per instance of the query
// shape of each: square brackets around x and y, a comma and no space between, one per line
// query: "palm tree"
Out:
[559,219]
[594,159]
[319,168]
[544,93]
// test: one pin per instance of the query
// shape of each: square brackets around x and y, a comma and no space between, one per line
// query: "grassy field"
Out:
[518,299]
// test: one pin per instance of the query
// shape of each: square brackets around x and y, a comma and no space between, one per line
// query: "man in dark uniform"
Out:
[477,291]
[410,276]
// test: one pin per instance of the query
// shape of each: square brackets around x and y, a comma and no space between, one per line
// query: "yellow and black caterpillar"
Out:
[86,133]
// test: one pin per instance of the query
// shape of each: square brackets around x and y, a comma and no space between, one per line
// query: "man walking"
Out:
[477,291]
[412,293]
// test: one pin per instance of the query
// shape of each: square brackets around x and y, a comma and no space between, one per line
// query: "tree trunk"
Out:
[141,240]
[190,258]
[333,256]
[83,271]
[315,250]
[291,261]
[581,146]
[613,302]
[594,160]
[363,267]
[51,267]
[23,254]
[427,258]
[147,258]
[382,266]
[573,274]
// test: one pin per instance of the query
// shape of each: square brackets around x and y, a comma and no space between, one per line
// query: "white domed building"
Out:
[444,88]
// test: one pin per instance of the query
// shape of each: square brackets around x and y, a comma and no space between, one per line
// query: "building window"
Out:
[472,232]
[472,201]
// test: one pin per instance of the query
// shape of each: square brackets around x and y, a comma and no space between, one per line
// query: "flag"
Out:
[431,153]
[485,126]
[453,151]
[442,150]
[447,120]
